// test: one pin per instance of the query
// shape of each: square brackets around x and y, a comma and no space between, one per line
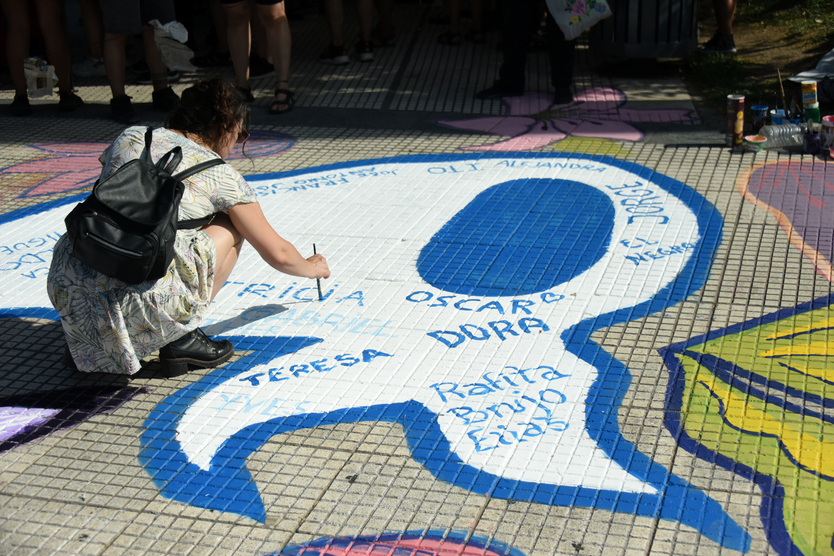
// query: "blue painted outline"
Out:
[228,485]
[773,499]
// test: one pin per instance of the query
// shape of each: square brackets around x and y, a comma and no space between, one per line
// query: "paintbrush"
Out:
[318,281]
[782,87]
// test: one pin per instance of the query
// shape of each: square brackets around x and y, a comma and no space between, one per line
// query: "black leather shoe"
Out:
[195,349]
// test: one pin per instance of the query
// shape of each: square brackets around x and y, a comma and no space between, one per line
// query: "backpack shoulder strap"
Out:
[199,168]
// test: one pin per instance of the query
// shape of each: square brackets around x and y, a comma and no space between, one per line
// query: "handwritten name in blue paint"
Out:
[640,201]
[276,407]
[471,303]
[501,329]
[326,180]
[454,168]
[24,257]
[551,164]
[308,293]
[659,253]
[339,322]
[324,365]
[522,406]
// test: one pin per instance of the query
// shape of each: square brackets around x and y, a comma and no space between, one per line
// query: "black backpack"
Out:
[126,228]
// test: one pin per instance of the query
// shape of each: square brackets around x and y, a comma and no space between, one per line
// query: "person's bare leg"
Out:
[279,42]
[218,18]
[366,18]
[386,20]
[50,18]
[278,39]
[159,71]
[237,25]
[93,27]
[17,41]
[114,62]
[725,11]
[335,11]
[259,39]
[227,244]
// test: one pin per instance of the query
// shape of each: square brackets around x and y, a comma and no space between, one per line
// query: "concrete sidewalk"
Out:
[586,329]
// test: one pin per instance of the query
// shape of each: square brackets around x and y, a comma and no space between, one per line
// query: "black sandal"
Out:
[282,106]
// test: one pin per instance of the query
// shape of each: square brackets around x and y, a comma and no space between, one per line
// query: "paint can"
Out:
[735,121]
[759,116]
[809,94]
[777,117]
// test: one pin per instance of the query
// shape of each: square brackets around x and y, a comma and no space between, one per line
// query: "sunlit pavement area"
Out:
[584,329]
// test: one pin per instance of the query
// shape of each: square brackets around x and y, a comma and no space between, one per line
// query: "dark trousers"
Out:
[516,30]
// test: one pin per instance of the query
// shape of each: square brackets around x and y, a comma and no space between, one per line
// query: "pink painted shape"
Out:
[500,125]
[14,420]
[426,547]
[55,165]
[801,197]
[535,139]
[64,182]
[600,129]
[72,148]
[528,103]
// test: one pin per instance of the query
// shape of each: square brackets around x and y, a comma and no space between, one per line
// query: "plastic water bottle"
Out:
[789,135]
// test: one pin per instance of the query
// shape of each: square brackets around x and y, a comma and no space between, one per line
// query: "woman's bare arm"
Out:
[280,254]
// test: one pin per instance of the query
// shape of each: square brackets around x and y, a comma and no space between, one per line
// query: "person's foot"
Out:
[69,101]
[195,349]
[282,102]
[89,67]
[499,90]
[718,44]
[259,66]
[20,106]
[165,100]
[365,51]
[247,92]
[335,56]
[121,110]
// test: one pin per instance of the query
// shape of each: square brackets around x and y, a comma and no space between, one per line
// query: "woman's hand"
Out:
[320,267]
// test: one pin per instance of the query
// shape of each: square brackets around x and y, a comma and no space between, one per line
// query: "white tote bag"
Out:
[574,16]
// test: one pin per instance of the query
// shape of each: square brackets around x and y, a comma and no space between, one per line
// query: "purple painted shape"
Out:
[533,121]
[801,197]
[57,409]
[15,420]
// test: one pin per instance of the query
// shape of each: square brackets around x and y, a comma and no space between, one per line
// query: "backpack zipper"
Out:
[112,246]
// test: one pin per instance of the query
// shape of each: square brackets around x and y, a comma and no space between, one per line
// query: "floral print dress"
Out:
[110,325]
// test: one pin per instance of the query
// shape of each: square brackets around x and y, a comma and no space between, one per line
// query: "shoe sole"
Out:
[179,366]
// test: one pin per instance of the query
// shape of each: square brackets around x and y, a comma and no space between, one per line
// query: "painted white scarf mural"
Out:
[464,292]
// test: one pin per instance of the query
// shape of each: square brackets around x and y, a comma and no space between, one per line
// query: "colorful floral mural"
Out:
[533,121]
[757,398]
[69,166]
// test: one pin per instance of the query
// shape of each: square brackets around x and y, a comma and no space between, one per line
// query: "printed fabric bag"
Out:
[126,227]
[575,16]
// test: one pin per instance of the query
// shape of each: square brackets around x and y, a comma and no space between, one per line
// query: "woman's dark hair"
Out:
[208,109]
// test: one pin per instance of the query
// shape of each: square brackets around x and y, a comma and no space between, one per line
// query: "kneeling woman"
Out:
[110,325]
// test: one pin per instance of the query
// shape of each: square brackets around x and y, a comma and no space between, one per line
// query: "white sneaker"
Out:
[90,67]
